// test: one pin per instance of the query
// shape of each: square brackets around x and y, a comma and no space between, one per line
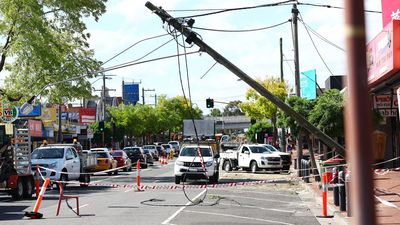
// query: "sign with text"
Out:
[385,101]
[35,112]
[383,54]
[390,11]
[35,128]
[87,115]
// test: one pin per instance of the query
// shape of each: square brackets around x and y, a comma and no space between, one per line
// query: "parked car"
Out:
[176,146]
[153,151]
[161,150]
[149,156]
[167,148]
[105,161]
[135,154]
[286,157]
[122,159]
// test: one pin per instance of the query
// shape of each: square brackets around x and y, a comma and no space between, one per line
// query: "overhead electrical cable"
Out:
[239,8]
[316,49]
[126,49]
[320,36]
[333,7]
[244,30]
[208,70]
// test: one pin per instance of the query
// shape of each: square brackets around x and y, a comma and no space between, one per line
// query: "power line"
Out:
[244,30]
[239,8]
[126,49]
[333,7]
[320,36]
[208,70]
[316,49]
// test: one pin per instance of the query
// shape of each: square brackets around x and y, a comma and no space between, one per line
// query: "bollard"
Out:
[37,182]
[342,191]
[35,214]
[324,195]
[138,176]
[335,188]
[347,181]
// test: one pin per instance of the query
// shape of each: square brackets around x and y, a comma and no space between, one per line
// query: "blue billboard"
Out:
[308,84]
[130,93]
[37,111]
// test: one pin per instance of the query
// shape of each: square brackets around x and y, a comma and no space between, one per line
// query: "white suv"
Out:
[188,165]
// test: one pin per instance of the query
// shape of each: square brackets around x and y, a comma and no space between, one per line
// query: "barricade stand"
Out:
[138,176]
[325,196]
[35,214]
[37,182]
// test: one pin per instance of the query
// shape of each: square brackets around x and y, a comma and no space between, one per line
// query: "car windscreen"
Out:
[117,154]
[145,150]
[101,155]
[132,151]
[166,146]
[48,153]
[149,147]
[205,152]
[259,149]
[271,148]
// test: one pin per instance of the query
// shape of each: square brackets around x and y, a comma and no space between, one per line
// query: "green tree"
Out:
[46,42]
[233,109]
[327,115]
[215,112]
[259,128]
[260,108]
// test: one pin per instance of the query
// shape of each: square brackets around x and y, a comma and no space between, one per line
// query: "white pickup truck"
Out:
[63,163]
[188,164]
[251,157]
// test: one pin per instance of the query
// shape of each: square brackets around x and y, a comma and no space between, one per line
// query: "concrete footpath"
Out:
[386,194]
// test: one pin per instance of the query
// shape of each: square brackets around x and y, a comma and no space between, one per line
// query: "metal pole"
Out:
[103,99]
[358,120]
[193,38]
[283,134]
[60,137]
[280,45]
[155,99]
[143,95]
[295,12]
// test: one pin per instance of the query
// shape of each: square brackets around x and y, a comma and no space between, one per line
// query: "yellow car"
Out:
[105,162]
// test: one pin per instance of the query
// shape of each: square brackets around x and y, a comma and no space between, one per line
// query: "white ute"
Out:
[188,164]
[251,157]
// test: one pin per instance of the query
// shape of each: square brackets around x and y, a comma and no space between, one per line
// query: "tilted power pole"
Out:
[192,37]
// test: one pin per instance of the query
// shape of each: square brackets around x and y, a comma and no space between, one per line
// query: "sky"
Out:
[127,22]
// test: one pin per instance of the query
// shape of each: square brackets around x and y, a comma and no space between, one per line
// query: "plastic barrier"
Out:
[62,196]
[138,176]
[37,181]
[35,213]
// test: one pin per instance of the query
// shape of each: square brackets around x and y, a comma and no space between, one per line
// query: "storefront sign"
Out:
[35,112]
[385,101]
[49,115]
[390,11]
[35,128]
[388,112]
[10,114]
[383,53]
[87,115]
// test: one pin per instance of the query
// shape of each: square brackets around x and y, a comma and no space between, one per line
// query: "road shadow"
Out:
[13,212]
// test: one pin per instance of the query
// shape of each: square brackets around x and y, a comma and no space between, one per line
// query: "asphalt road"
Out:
[271,203]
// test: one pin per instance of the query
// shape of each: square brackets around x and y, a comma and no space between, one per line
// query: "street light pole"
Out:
[60,137]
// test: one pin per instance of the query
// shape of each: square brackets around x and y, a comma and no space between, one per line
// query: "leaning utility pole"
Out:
[193,38]
[358,119]
[283,133]
[103,104]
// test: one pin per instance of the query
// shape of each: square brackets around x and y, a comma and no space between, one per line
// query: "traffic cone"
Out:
[165,160]
[35,214]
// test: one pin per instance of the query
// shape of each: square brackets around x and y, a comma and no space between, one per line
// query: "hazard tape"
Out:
[92,173]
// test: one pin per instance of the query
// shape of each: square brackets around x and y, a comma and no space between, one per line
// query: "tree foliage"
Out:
[259,128]
[327,114]
[46,42]
[233,109]
[215,112]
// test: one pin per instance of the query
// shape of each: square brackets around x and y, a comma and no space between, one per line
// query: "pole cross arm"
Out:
[192,37]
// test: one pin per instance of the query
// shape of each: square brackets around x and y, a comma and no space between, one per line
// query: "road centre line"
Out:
[182,208]
[240,217]
[254,207]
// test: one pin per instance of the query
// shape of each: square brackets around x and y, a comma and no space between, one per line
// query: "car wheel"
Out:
[227,166]
[214,179]
[28,187]
[85,180]
[18,192]
[126,169]
[253,167]
[177,180]
[144,166]
[63,179]
[115,172]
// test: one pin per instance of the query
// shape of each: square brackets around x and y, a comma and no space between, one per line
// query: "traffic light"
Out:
[210,103]
[101,126]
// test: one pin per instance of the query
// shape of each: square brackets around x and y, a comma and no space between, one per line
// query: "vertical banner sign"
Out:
[130,93]
[87,115]
[35,128]
[308,84]
[390,11]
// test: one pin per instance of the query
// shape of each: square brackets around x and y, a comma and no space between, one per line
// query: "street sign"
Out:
[89,133]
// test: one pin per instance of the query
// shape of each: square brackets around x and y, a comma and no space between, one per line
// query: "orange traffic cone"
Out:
[35,214]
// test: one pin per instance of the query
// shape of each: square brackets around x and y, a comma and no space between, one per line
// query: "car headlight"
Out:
[52,165]
[264,158]
[209,163]
[179,163]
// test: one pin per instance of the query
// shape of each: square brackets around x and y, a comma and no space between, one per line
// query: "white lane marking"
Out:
[240,217]
[255,207]
[182,208]
[258,199]
[263,193]
[81,206]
